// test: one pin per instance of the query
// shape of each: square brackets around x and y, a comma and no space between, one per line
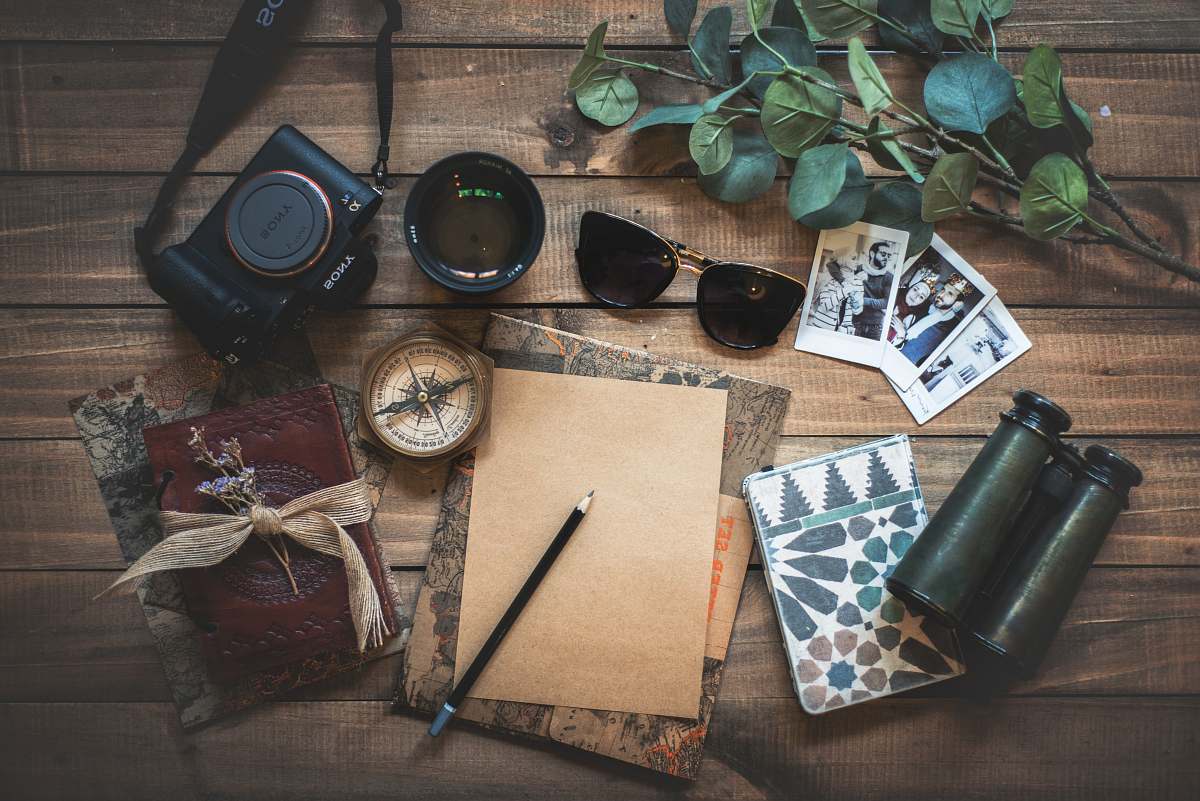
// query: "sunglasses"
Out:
[625,264]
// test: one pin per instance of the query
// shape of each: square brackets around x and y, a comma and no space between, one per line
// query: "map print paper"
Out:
[830,530]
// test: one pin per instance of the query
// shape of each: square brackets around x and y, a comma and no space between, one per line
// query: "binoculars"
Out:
[1008,550]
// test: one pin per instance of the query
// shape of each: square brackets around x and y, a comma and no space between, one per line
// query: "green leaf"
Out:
[898,205]
[710,46]
[797,114]
[609,98]
[792,44]
[1054,197]
[1042,88]
[711,143]
[788,14]
[948,190]
[1080,124]
[868,80]
[679,14]
[850,203]
[592,58]
[838,18]
[750,171]
[817,178]
[956,17]
[914,15]
[756,10]
[997,9]
[684,114]
[966,92]
[711,105]
[887,151]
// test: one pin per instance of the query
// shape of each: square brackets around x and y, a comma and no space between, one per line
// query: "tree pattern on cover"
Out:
[795,505]
[762,513]
[880,481]
[837,491]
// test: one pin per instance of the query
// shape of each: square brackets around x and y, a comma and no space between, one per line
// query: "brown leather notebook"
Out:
[250,616]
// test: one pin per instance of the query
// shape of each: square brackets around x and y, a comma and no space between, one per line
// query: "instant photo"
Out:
[852,289]
[938,296]
[987,345]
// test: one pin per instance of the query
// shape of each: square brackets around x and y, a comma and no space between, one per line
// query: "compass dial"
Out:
[424,396]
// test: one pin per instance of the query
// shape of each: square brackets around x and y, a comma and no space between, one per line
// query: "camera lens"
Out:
[474,222]
[278,223]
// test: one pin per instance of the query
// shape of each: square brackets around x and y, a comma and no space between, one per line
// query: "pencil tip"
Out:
[586,502]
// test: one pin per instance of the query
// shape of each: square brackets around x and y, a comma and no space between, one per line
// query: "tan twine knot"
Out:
[315,520]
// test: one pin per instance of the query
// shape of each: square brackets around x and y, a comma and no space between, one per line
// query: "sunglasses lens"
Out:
[746,308]
[620,263]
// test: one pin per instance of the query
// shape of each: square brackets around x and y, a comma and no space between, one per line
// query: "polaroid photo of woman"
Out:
[986,346]
[852,289]
[938,296]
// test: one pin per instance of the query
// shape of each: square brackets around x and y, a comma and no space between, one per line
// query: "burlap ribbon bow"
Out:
[315,521]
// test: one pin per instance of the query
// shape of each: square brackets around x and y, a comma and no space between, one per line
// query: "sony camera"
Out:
[283,239]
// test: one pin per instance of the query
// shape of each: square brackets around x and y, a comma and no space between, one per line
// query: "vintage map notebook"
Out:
[111,420]
[754,416]
[830,530]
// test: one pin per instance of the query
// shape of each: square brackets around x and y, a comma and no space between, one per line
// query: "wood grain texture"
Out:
[1121,371]
[1067,23]
[1082,749]
[87,107]
[68,240]
[58,645]
[67,526]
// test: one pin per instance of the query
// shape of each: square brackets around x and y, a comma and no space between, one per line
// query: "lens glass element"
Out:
[746,307]
[622,263]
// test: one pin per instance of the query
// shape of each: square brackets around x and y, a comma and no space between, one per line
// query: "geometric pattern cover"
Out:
[830,530]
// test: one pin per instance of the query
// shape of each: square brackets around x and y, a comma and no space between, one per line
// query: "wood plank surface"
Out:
[126,107]
[1065,749]
[1122,371]
[55,518]
[68,240]
[1069,23]
[58,645]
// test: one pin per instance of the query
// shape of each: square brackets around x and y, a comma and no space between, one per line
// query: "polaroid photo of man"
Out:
[938,296]
[986,346]
[852,289]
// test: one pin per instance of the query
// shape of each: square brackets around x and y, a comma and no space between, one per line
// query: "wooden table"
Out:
[94,99]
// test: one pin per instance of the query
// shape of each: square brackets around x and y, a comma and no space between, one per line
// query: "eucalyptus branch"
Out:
[661,70]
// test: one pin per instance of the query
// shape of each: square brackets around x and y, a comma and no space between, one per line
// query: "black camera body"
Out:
[286,237]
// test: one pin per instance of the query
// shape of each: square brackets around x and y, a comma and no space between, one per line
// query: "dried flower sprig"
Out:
[236,488]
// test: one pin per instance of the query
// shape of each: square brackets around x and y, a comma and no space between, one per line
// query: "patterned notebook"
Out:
[111,420]
[830,530]
[669,745]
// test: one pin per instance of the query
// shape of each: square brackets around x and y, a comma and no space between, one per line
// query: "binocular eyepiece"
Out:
[1006,553]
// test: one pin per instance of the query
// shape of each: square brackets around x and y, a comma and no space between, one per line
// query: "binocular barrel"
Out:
[1020,616]
[948,564]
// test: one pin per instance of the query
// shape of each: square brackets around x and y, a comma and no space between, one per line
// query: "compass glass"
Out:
[424,396]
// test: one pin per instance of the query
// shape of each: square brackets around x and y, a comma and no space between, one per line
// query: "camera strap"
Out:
[251,55]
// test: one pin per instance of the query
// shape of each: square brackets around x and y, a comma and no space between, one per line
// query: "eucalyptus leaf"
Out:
[1042,88]
[966,92]
[609,98]
[956,17]
[756,10]
[684,114]
[711,143]
[710,46]
[792,44]
[797,114]
[997,9]
[887,151]
[1080,124]
[914,15]
[592,58]
[711,105]
[850,203]
[948,189]
[679,14]
[898,205]
[750,172]
[868,80]
[817,178]
[787,14]
[838,18]
[1054,197]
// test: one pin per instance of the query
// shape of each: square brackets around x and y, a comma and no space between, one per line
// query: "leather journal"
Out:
[249,617]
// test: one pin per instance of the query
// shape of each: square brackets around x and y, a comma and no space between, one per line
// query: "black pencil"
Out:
[514,610]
